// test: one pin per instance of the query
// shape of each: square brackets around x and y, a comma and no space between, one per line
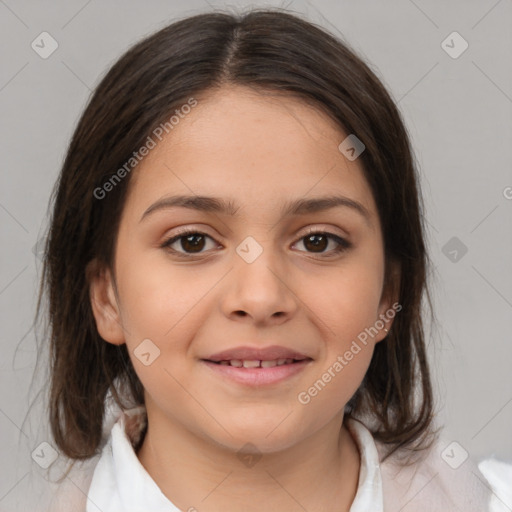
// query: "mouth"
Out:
[257,372]
[257,363]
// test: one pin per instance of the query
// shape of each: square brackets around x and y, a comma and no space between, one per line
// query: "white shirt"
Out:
[120,483]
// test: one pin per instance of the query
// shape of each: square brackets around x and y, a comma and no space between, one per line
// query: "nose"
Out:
[259,292]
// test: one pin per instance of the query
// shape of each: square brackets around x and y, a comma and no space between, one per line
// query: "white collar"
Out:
[120,482]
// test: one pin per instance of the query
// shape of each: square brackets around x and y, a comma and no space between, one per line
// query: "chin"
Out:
[267,436]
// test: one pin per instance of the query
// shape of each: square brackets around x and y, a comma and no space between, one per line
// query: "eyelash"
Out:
[343,245]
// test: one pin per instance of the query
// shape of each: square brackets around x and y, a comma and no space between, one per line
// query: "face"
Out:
[253,269]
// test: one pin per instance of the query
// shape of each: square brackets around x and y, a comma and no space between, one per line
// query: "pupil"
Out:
[195,243]
[188,244]
[316,244]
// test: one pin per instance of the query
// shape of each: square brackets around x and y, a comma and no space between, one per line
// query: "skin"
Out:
[258,150]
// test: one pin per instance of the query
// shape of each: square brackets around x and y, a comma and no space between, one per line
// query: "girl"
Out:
[235,269]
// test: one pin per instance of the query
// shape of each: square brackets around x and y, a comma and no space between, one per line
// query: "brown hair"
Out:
[268,50]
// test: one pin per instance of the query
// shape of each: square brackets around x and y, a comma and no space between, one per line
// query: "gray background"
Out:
[458,113]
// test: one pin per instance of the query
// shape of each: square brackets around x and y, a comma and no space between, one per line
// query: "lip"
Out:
[258,376]
[261,354]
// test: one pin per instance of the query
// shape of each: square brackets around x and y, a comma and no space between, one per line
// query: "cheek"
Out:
[344,306]
[157,298]
[158,309]
[348,299]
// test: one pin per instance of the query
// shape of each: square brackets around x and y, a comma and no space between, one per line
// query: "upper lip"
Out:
[257,354]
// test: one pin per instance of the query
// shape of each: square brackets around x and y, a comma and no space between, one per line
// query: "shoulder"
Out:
[441,477]
[499,476]
[70,492]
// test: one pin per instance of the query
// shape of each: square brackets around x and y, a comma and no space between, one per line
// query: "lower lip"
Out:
[258,376]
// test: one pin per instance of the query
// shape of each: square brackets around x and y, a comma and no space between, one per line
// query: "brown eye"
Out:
[194,242]
[318,242]
[191,242]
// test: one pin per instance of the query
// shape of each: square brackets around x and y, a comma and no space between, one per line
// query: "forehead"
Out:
[240,143]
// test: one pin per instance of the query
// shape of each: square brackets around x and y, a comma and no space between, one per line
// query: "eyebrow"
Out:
[229,207]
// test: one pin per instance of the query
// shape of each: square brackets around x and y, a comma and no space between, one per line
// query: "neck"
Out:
[198,474]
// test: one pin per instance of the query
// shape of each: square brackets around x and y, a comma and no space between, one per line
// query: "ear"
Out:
[389,305]
[104,303]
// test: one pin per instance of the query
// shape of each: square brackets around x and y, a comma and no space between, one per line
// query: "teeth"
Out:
[250,363]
